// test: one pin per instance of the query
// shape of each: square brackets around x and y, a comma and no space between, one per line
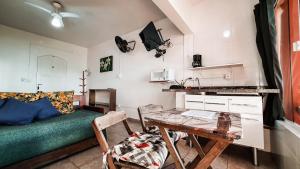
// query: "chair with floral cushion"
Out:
[139,150]
[143,110]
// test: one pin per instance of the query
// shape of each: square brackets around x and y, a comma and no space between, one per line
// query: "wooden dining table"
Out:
[221,130]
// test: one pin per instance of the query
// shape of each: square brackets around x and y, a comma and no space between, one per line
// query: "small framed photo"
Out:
[106,64]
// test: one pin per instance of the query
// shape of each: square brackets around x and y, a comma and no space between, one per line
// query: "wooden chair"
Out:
[142,110]
[104,122]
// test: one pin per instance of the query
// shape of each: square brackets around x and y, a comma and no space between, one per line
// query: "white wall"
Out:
[183,8]
[210,18]
[133,88]
[18,60]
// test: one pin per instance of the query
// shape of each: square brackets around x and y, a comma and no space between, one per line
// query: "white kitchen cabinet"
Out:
[216,104]
[245,104]
[180,100]
[253,131]
[250,108]
[194,102]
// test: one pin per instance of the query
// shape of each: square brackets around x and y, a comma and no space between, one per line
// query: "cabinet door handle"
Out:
[195,101]
[223,104]
[246,105]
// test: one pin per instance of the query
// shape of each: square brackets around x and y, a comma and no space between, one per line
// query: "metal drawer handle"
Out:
[215,103]
[247,105]
[195,101]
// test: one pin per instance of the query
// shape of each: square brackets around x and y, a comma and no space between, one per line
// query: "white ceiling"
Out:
[100,20]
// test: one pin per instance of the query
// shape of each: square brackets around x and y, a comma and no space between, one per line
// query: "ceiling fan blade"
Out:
[68,15]
[39,7]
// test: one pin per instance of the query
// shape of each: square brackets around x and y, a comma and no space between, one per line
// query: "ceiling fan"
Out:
[57,13]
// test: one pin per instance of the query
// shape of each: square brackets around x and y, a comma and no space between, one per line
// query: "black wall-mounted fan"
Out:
[123,45]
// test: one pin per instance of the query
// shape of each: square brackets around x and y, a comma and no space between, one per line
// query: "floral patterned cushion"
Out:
[175,135]
[26,97]
[62,101]
[143,149]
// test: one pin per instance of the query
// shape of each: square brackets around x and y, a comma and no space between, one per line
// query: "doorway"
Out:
[51,73]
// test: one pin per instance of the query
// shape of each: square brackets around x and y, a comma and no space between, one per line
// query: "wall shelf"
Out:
[217,66]
[160,81]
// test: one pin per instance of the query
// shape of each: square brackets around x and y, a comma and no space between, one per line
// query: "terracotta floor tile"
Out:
[63,164]
[234,157]
[94,164]
[221,162]
[85,157]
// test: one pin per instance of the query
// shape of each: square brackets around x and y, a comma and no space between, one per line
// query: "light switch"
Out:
[25,80]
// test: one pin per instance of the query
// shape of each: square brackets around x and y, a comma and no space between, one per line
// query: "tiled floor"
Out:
[234,157]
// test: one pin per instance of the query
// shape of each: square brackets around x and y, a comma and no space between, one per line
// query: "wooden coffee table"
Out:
[221,130]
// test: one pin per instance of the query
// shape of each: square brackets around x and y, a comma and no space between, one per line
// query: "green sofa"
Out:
[19,143]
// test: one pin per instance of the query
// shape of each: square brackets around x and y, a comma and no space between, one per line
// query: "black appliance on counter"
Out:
[197,60]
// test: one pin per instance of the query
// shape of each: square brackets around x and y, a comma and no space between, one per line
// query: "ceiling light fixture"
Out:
[57,13]
[57,21]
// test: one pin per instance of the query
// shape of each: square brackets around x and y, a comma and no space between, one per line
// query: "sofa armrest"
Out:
[93,108]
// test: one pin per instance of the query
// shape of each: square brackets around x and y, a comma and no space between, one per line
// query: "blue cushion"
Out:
[2,102]
[15,112]
[47,109]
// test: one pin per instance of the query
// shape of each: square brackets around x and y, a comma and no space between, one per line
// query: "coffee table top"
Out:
[222,124]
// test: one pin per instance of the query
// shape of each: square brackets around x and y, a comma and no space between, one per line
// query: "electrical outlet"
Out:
[227,76]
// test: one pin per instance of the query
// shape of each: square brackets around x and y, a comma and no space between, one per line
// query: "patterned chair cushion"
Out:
[25,97]
[143,149]
[62,101]
[175,135]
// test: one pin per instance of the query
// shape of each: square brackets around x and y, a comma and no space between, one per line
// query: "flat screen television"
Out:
[151,37]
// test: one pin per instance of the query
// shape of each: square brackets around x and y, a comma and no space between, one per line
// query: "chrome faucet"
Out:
[198,80]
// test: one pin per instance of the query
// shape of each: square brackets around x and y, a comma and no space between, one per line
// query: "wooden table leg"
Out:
[209,145]
[170,145]
[193,163]
[212,154]
[198,147]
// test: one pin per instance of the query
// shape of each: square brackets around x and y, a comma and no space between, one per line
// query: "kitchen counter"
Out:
[225,90]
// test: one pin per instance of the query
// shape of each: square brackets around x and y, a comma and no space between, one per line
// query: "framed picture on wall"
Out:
[106,64]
